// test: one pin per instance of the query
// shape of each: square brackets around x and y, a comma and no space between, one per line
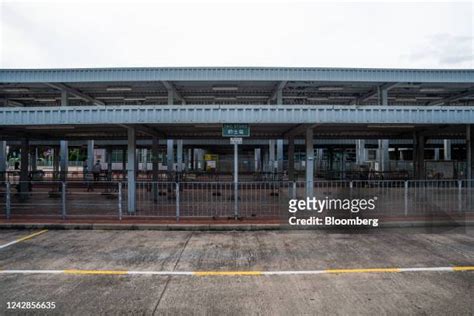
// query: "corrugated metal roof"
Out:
[236,74]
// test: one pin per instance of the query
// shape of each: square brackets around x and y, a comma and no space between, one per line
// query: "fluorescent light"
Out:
[50,127]
[134,99]
[431,89]
[428,98]
[16,89]
[200,97]
[225,99]
[156,97]
[406,99]
[119,89]
[317,99]
[252,97]
[225,88]
[46,100]
[110,98]
[330,88]
[390,126]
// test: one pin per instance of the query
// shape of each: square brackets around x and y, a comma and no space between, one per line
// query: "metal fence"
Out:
[223,200]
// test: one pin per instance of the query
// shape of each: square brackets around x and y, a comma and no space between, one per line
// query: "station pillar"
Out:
[3,160]
[55,162]
[179,155]
[383,156]
[470,151]
[109,150]
[279,156]
[419,156]
[24,181]
[154,166]
[447,149]
[170,154]
[271,155]
[90,155]
[64,159]
[291,158]
[309,163]
[131,171]
[361,152]
[257,155]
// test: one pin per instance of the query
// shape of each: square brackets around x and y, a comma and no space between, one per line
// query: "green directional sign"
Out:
[235,130]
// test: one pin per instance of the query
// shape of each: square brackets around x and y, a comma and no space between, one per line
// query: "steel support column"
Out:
[309,163]
[90,155]
[3,160]
[64,159]
[447,149]
[279,156]
[361,152]
[291,158]
[271,155]
[170,155]
[131,151]
[24,181]
[179,153]
[109,150]
[419,156]
[257,155]
[470,151]
[155,166]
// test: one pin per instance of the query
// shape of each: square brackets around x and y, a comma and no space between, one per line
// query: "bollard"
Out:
[63,200]
[7,201]
[120,200]
[177,201]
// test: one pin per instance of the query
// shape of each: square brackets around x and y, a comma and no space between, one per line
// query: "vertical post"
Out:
[447,149]
[109,162]
[64,150]
[279,155]
[419,156]
[309,163]
[90,155]
[120,200]
[291,158]
[34,158]
[470,153]
[55,162]
[124,162]
[236,180]
[169,154]
[154,167]
[382,155]
[294,190]
[361,156]
[63,199]
[257,153]
[406,197]
[459,195]
[24,168]
[436,154]
[131,150]
[179,153]
[271,155]
[177,201]
[3,160]
[7,200]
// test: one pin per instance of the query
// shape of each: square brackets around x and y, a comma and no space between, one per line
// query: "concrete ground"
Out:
[434,292]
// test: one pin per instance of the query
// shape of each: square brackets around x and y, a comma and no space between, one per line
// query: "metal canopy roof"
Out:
[236,73]
[253,86]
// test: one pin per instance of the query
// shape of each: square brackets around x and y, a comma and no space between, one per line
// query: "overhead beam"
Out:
[453,98]
[277,90]
[144,129]
[298,130]
[374,93]
[171,88]
[8,102]
[74,92]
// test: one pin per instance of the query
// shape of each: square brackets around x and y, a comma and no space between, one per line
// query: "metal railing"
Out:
[223,200]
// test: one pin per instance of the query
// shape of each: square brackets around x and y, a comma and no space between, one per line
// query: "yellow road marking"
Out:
[23,238]
[226,273]
[74,271]
[32,235]
[370,270]
[467,268]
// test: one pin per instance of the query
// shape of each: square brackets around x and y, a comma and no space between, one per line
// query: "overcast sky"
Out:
[54,34]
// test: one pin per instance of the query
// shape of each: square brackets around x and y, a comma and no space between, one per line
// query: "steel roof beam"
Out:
[172,89]
[375,92]
[277,92]
[298,130]
[74,92]
[457,97]
[8,102]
